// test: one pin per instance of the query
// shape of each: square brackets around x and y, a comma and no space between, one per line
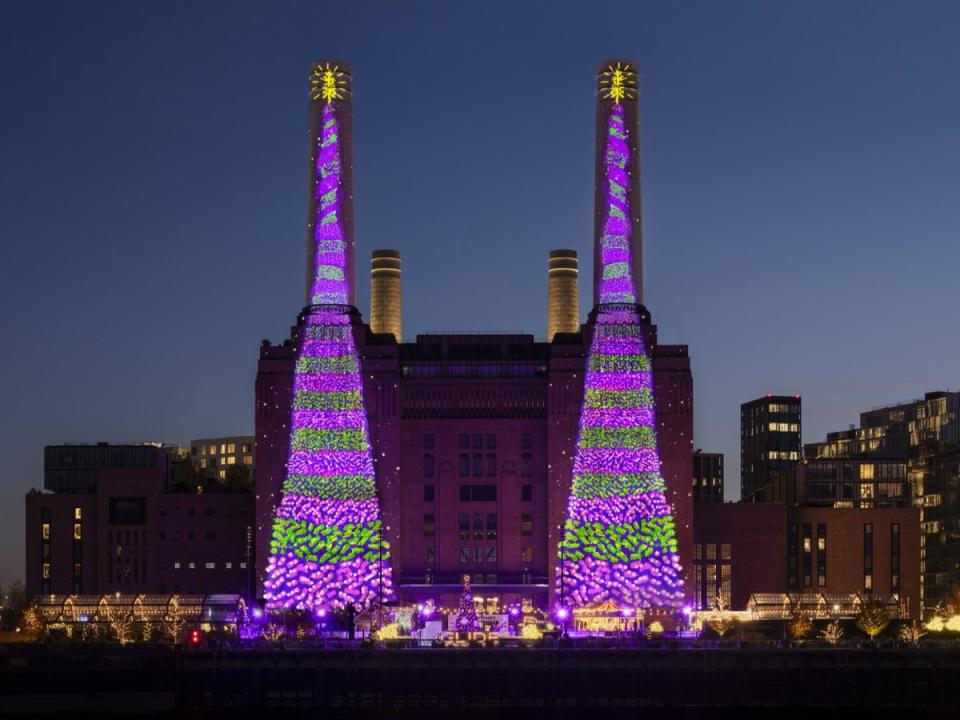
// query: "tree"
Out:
[799,626]
[174,621]
[832,634]
[721,621]
[912,634]
[873,618]
[121,622]
[32,620]
[467,620]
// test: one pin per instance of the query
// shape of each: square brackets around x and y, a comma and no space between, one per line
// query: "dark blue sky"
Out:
[802,200]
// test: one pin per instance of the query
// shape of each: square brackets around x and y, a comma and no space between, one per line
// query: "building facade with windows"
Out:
[769,443]
[128,534]
[707,477]
[924,436]
[773,547]
[474,438]
[213,457]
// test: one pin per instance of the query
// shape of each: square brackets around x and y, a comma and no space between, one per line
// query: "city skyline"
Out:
[130,323]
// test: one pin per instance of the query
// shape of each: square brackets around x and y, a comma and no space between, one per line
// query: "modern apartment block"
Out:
[769,443]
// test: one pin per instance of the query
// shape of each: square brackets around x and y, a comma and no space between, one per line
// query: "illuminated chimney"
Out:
[330,186]
[385,308]
[563,293]
[618,230]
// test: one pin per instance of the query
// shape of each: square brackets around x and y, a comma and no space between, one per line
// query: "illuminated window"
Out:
[526,524]
[45,531]
[526,554]
[77,513]
[228,566]
[429,525]
[246,447]
[232,448]
[192,566]
[464,556]
[203,463]
[211,566]
[213,449]
[223,448]
[222,474]
[711,551]
[866,471]
[725,551]
[203,450]
[232,460]
[176,566]
[773,427]
[77,531]
[45,571]
[243,566]
[248,459]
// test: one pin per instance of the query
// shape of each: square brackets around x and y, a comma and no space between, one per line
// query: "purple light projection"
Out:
[619,543]
[328,549]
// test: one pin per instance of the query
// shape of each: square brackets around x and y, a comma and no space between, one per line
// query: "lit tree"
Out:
[32,620]
[832,634]
[467,620]
[912,634]
[873,618]
[721,621]
[800,626]
[121,622]
[174,621]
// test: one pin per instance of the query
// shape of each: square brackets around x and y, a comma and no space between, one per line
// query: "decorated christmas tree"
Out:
[618,543]
[328,549]
[467,620]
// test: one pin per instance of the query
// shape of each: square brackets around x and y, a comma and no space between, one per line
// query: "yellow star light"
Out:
[327,83]
[619,82]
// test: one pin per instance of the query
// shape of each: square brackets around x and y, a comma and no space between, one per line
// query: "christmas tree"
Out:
[619,543]
[467,620]
[328,549]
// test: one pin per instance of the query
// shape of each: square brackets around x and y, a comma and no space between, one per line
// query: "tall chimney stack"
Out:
[563,293]
[618,231]
[386,314]
[330,239]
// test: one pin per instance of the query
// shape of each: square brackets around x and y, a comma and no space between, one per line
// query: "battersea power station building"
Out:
[388,468]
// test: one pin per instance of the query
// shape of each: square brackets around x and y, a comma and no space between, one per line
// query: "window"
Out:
[526,493]
[491,555]
[868,556]
[821,555]
[464,465]
[464,526]
[792,551]
[807,555]
[243,566]
[191,565]
[429,525]
[526,524]
[210,566]
[428,493]
[228,566]
[491,527]
[491,441]
[725,551]
[711,551]
[428,556]
[176,566]
[895,558]
[477,441]
[45,531]
[478,527]
[526,468]
[526,554]
[526,441]
[77,531]
[428,441]
[464,441]
[77,513]
[478,555]
[491,465]
[464,556]
[477,465]
[478,493]
[428,465]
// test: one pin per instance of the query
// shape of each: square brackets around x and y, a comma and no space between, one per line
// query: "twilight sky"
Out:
[801,197]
